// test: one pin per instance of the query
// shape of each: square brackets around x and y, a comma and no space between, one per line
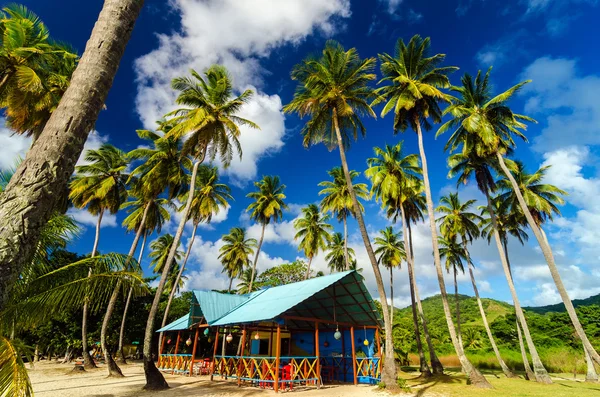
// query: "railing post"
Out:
[241,357]
[212,371]
[176,350]
[194,352]
[277,358]
[319,381]
[353,356]
[378,342]
[344,354]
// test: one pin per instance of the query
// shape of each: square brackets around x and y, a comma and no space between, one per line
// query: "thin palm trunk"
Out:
[88,360]
[477,379]
[529,375]
[505,369]
[346,256]
[392,293]
[591,375]
[458,333]
[230,284]
[308,268]
[122,359]
[41,180]
[154,379]
[390,372]
[547,251]
[436,364]
[260,242]
[541,375]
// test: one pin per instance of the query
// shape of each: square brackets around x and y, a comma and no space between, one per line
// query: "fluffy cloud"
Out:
[85,218]
[502,50]
[236,34]
[13,146]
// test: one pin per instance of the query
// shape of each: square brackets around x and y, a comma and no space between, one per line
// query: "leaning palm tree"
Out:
[391,254]
[337,252]
[458,220]
[333,91]
[313,231]
[338,201]
[160,252]
[246,278]
[235,253]
[267,207]
[99,186]
[454,254]
[210,123]
[413,90]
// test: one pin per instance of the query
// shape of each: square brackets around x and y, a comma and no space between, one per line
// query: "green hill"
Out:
[560,307]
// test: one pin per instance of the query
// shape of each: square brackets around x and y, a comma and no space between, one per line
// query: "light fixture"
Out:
[229,338]
[188,341]
[168,341]
[337,335]
[366,342]
[257,336]
[206,332]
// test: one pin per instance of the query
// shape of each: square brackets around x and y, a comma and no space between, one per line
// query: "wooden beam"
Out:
[378,342]
[194,352]
[353,356]
[344,353]
[319,380]
[212,370]
[176,348]
[162,346]
[277,358]
[316,320]
[242,341]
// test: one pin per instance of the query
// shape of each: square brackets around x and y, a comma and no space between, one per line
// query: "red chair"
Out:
[267,376]
[286,377]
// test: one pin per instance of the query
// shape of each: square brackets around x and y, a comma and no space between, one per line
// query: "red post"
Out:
[353,356]
[319,381]
[277,358]
[378,342]
[194,352]
[343,354]
[241,358]
[176,350]
[212,370]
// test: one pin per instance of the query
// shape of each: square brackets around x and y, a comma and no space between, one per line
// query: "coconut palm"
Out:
[336,254]
[313,231]
[246,278]
[160,252]
[210,123]
[413,90]
[99,186]
[235,253]
[454,254]
[338,201]
[267,207]
[390,250]
[458,220]
[41,181]
[333,91]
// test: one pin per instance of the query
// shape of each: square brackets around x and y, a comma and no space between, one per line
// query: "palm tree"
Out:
[333,91]
[247,278]
[235,253]
[41,181]
[336,254]
[395,179]
[209,120]
[458,220]
[100,186]
[312,230]
[267,207]
[210,197]
[413,92]
[338,201]
[453,252]
[160,252]
[391,254]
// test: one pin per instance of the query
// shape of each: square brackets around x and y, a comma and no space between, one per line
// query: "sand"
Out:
[53,379]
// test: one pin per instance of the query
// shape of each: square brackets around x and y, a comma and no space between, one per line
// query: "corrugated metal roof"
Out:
[214,305]
[177,325]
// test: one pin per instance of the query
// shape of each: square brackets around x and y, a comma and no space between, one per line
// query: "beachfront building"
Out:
[321,330]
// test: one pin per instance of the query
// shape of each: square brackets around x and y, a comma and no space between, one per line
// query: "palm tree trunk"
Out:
[436,365]
[41,180]
[346,256]
[122,359]
[260,242]
[390,372]
[541,375]
[505,369]
[88,360]
[154,379]
[477,379]
[113,368]
[591,375]
[529,375]
[392,293]
[547,251]
[308,268]
[230,284]
[458,333]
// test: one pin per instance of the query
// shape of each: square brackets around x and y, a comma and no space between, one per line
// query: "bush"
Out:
[403,385]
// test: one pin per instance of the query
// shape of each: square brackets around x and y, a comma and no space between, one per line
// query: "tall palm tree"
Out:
[30,199]
[246,278]
[209,120]
[267,207]
[395,180]
[160,252]
[235,253]
[339,256]
[100,186]
[333,90]
[454,254]
[390,250]
[210,197]
[313,231]
[458,220]
[413,90]
[338,201]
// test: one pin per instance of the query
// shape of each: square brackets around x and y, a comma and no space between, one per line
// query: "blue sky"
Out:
[260,41]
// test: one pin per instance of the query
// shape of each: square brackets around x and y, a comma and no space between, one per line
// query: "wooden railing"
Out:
[369,367]
[174,362]
[262,370]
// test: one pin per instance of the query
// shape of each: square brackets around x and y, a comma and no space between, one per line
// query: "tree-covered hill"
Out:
[560,307]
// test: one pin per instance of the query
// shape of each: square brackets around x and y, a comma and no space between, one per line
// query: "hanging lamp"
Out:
[229,338]
[366,342]
[337,335]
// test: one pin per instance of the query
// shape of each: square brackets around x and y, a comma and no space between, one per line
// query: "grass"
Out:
[455,385]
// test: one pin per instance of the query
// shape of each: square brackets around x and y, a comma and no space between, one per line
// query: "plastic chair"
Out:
[286,377]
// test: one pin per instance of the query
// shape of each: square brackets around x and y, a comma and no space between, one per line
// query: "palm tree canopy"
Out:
[457,219]
[336,83]
[235,253]
[413,201]
[158,214]
[508,221]
[210,196]
[268,202]
[160,251]
[390,248]
[336,261]
[541,198]
[209,117]
[453,252]
[337,198]
[101,184]
[413,82]
[312,230]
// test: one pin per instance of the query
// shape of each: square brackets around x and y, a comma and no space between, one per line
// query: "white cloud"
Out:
[85,218]
[391,5]
[236,34]
[13,146]
[502,50]
[94,141]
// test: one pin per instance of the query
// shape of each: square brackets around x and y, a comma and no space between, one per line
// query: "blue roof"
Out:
[214,305]
[177,325]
